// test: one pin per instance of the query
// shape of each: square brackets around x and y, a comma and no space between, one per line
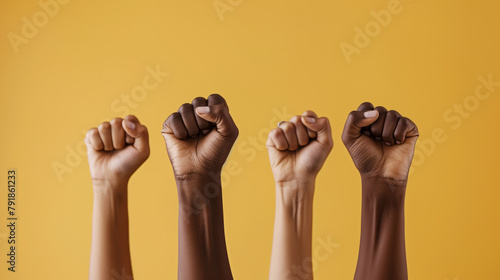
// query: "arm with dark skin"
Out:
[297,150]
[381,144]
[115,151]
[199,137]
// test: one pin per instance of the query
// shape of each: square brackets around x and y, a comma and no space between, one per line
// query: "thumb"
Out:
[139,132]
[219,114]
[355,122]
[319,125]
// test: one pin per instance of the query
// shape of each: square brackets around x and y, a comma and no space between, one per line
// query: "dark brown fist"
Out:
[380,142]
[199,136]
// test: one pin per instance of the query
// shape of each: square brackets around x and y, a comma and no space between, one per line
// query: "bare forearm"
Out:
[292,231]
[202,245]
[110,252]
[382,254]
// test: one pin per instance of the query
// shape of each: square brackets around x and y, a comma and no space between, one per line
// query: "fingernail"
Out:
[310,119]
[387,143]
[370,114]
[206,131]
[203,109]
[397,142]
[129,124]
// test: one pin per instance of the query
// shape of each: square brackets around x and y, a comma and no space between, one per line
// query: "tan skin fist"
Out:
[298,148]
[199,136]
[116,149]
[380,142]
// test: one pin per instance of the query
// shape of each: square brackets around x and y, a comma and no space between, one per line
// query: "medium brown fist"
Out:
[116,149]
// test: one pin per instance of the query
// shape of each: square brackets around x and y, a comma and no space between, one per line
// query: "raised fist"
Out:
[381,142]
[116,149]
[298,148]
[199,136]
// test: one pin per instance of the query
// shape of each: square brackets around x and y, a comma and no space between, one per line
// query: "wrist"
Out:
[111,196]
[384,191]
[110,187]
[294,192]
[196,177]
[294,211]
[376,179]
[198,190]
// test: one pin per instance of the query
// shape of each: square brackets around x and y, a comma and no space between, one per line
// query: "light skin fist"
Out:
[199,136]
[299,147]
[116,149]
[380,142]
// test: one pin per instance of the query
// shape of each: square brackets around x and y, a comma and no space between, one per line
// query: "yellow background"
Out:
[261,56]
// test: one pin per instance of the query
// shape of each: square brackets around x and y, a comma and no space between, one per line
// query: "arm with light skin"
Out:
[297,150]
[381,144]
[115,151]
[199,137]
